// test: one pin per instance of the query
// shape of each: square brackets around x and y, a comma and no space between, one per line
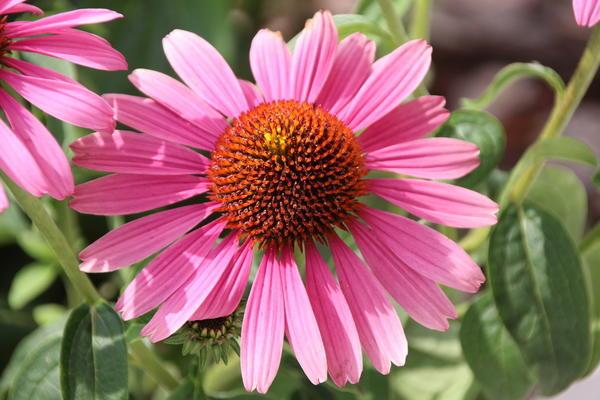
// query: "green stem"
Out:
[152,365]
[523,175]
[65,255]
[34,208]
[420,19]
[393,22]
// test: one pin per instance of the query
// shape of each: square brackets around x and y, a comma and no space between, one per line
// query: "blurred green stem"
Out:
[523,174]
[420,19]
[393,21]
[65,255]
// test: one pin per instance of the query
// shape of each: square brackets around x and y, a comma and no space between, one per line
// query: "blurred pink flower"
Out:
[29,154]
[587,12]
[287,170]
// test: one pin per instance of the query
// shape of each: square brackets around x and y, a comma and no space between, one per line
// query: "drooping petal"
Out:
[434,158]
[167,272]
[78,47]
[42,146]
[61,21]
[420,297]
[425,250]
[30,69]
[64,100]
[394,77]
[3,199]
[410,121]
[138,239]
[263,327]
[122,194]
[351,67]
[379,327]
[6,5]
[133,153]
[204,70]
[182,304]
[180,99]
[270,60]
[340,337]
[301,326]
[17,162]
[587,12]
[438,202]
[226,296]
[21,8]
[147,116]
[313,57]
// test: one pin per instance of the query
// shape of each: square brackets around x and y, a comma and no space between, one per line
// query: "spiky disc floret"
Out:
[287,171]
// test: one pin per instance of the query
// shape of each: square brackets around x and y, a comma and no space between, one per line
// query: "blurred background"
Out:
[472,40]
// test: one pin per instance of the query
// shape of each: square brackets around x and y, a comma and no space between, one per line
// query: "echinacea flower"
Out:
[587,12]
[29,154]
[287,172]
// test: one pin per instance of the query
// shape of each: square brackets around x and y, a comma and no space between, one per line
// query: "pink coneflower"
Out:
[286,172]
[29,154]
[587,12]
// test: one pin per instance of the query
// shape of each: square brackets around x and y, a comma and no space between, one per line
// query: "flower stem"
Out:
[420,19]
[152,365]
[34,208]
[523,176]
[65,255]
[393,22]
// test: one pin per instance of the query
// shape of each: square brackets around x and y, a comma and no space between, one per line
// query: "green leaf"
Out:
[188,390]
[596,179]
[35,246]
[492,354]
[590,254]
[486,132]
[45,314]
[562,148]
[29,282]
[348,24]
[25,355]
[512,73]
[560,192]
[94,355]
[540,292]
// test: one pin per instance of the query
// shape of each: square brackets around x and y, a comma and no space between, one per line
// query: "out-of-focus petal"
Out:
[59,22]
[587,12]
[3,199]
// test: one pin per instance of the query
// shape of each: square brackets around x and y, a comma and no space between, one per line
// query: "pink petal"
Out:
[251,92]
[587,12]
[133,153]
[263,327]
[379,327]
[69,102]
[3,200]
[42,146]
[434,158]
[226,296]
[61,21]
[122,194]
[182,304]
[302,330]
[351,67]
[408,121]
[17,162]
[167,272]
[204,70]
[147,116]
[78,47]
[21,8]
[29,69]
[340,337]
[313,57]
[6,5]
[394,77]
[425,250]
[420,297]
[138,239]
[270,60]
[438,202]
[180,99]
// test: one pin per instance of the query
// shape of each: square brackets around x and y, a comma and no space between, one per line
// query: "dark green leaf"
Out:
[596,179]
[560,192]
[562,148]
[590,254]
[492,354]
[188,390]
[486,132]
[27,349]
[541,296]
[94,355]
[31,281]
